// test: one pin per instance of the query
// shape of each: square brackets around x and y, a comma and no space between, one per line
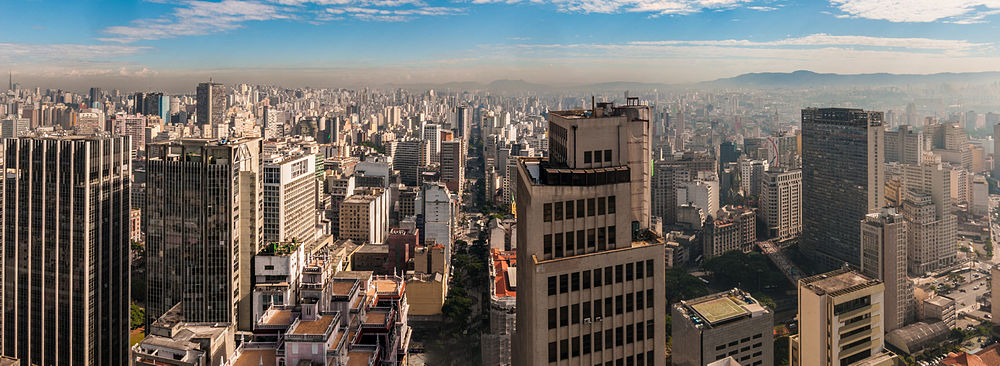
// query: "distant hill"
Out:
[805,78]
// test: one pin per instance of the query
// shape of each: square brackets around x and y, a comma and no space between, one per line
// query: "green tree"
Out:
[781,351]
[137,318]
[681,285]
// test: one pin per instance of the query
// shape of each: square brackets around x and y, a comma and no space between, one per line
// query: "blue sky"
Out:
[556,41]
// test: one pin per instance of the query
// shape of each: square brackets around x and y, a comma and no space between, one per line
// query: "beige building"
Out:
[840,319]
[883,256]
[729,324]
[587,292]
[364,216]
[781,203]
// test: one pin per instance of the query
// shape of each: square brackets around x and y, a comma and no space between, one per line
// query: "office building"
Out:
[12,127]
[751,172]
[202,228]
[781,203]
[731,228]
[453,165]
[410,157]
[670,173]
[702,193]
[435,209]
[211,108]
[289,187]
[842,180]
[883,257]
[431,133]
[932,238]
[726,324]
[66,259]
[840,319]
[364,216]
[905,145]
[587,292]
[171,341]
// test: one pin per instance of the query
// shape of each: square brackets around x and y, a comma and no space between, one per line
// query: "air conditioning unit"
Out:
[586,320]
[597,319]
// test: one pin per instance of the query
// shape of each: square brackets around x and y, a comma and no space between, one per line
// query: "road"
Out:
[791,272]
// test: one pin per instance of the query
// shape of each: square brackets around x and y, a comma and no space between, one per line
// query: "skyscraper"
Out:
[453,165]
[781,203]
[587,292]
[202,228]
[66,250]
[211,104]
[289,209]
[95,98]
[842,180]
[883,257]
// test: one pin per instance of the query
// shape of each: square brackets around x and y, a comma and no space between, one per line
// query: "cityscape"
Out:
[500,183]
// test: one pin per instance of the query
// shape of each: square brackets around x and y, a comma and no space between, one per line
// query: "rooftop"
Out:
[720,308]
[279,317]
[318,326]
[504,269]
[256,357]
[841,280]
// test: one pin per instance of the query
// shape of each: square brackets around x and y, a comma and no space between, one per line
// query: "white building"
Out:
[289,208]
[702,193]
[781,203]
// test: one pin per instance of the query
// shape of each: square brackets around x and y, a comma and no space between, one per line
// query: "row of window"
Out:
[608,339]
[596,156]
[744,340]
[575,281]
[744,349]
[572,314]
[560,245]
[577,209]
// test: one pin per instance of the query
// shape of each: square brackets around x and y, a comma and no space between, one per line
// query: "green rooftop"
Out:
[283,248]
[720,309]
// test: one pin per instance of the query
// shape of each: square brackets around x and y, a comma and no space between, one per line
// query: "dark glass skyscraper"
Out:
[66,250]
[842,180]
[211,103]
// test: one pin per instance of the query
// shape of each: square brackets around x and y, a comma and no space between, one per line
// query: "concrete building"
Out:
[202,229]
[409,157]
[289,209]
[842,180]
[171,341]
[277,270]
[732,228]
[702,193]
[751,172]
[904,145]
[840,319]
[211,107]
[937,307]
[589,290]
[496,341]
[364,216]
[883,257]
[133,126]
[726,324]
[65,269]
[980,203]
[931,238]
[781,203]
[431,134]
[433,203]
[12,127]
[453,165]
[670,173]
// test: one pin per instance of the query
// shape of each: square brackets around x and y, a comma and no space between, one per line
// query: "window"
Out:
[552,285]
[601,208]
[720,347]
[586,344]
[564,316]
[619,304]
[611,235]
[649,266]
[640,360]
[569,243]
[618,273]
[608,308]
[619,336]
[547,245]
[575,281]
[552,318]
[591,239]
[597,308]
[639,273]
[586,279]
[569,210]
[552,352]
[579,208]
[597,156]
[608,338]
[629,302]
[629,272]
[591,206]
[576,346]
[587,157]
[650,332]
[608,279]
[579,238]
[639,332]
[597,277]
[559,246]
[611,204]
[564,349]
[575,319]
[607,155]
[586,309]
[639,304]
[745,340]
[558,211]
[547,212]
[563,283]
[597,340]
[758,335]
[629,333]
[602,239]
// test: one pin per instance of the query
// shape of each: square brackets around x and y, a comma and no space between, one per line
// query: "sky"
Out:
[169,44]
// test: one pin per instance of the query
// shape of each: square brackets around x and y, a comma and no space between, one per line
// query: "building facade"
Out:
[781,203]
[726,324]
[883,256]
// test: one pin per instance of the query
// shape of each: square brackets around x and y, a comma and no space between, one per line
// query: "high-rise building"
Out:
[702,193]
[926,206]
[211,104]
[434,207]
[202,228]
[409,158]
[289,208]
[842,180]
[840,319]
[731,228]
[670,173]
[781,203]
[364,216]
[883,257]
[463,122]
[95,98]
[432,134]
[587,292]
[726,324]
[453,165]
[904,145]
[66,250]
[750,175]
[996,151]
[12,127]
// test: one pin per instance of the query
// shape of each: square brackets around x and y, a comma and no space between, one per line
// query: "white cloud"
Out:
[919,11]
[392,15]
[656,7]
[194,17]
[36,52]
[952,47]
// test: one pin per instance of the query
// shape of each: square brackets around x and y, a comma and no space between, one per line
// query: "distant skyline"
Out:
[170,45]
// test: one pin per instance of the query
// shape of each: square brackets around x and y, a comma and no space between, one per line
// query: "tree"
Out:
[137,316]
[749,271]
[681,285]
[781,351]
